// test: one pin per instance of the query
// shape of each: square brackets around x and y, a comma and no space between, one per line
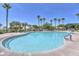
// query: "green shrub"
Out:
[77,30]
[1,31]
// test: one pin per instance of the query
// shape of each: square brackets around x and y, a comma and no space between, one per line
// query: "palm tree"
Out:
[62,19]
[38,19]
[51,24]
[51,21]
[55,19]
[7,7]
[59,21]
[43,19]
[0,25]
[77,14]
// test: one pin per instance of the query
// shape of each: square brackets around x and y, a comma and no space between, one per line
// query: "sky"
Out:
[27,12]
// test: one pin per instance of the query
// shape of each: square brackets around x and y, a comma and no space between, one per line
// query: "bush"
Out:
[77,30]
[1,31]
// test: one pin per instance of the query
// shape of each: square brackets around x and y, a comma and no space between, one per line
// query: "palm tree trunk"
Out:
[51,23]
[58,24]
[6,20]
[63,24]
[55,25]
[41,24]
[38,22]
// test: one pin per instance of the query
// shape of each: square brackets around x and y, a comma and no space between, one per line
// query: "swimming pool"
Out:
[35,42]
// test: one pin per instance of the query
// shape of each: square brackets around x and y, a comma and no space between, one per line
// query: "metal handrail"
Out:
[70,37]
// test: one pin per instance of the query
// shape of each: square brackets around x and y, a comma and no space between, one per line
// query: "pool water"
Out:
[36,42]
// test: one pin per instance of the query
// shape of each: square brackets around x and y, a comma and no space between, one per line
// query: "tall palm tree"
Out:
[77,14]
[55,20]
[51,21]
[7,7]
[59,20]
[62,19]
[0,25]
[38,19]
[51,24]
[43,19]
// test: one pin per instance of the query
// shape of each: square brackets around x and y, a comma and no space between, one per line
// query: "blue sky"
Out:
[28,12]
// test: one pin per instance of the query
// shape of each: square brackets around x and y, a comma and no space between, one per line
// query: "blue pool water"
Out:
[35,42]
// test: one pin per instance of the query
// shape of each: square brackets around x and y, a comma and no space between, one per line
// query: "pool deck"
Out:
[70,48]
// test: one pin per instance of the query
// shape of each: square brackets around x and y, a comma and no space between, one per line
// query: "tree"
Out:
[59,20]
[70,26]
[43,19]
[55,19]
[7,7]
[0,25]
[48,26]
[77,14]
[35,27]
[15,26]
[62,19]
[61,25]
[38,19]
[24,26]
[51,21]
[77,27]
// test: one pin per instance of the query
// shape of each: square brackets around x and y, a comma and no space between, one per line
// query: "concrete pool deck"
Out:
[70,48]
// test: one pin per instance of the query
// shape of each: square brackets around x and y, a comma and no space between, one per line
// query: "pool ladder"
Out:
[68,37]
